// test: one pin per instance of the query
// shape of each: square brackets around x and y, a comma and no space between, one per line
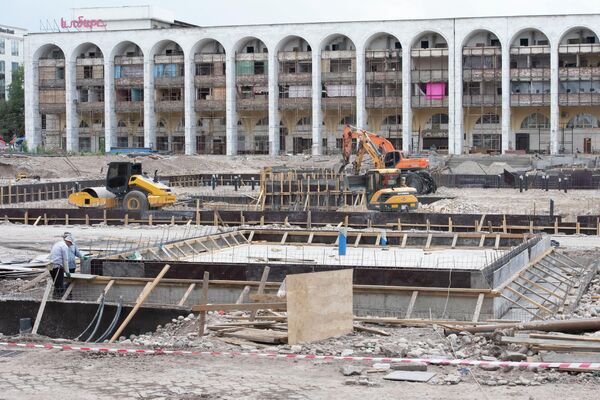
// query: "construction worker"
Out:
[73,252]
[59,258]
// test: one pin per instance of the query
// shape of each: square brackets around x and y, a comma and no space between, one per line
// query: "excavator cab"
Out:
[392,158]
[386,190]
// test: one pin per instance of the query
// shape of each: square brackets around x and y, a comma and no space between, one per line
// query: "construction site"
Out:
[300,276]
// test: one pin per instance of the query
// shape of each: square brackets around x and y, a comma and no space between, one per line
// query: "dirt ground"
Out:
[511,201]
[69,375]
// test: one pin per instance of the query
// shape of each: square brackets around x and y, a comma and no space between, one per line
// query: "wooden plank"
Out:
[204,300]
[265,297]
[518,305]
[404,239]
[411,305]
[258,335]
[243,295]
[187,293]
[284,238]
[478,308]
[68,291]
[361,328]
[261,286]
[143,291]
[106,289]
[428,243]
[358,237]
[482,240]
[239,307]
[529,300]
[38,318]
[319,305]
[454,240]
[139,303]
[497,242]
[34,281]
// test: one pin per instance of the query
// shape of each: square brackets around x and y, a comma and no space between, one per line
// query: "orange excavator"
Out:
[385,156]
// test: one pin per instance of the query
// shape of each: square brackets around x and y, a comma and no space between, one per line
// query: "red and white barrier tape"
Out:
[432,361]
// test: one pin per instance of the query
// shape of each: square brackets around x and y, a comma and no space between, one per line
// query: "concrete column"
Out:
[508,141]
[406,101]
[274,117]
[554,109]
[188,105]
[70,110]
[149,116]
[230,107]
[317,113]
[458,100]
[361,109]
[452,128]
[33,129]
[110,117]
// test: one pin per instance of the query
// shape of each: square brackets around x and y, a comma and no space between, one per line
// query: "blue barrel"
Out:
[342,243]
[383,239]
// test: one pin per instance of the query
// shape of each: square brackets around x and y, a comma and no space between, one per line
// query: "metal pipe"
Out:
[569,325]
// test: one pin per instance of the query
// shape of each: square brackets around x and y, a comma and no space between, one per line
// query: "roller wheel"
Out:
[135,201]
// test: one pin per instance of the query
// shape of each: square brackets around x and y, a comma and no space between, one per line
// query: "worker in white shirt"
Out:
[73,252]
[59,258]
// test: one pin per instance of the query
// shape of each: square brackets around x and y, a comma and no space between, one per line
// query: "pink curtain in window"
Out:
[435,90]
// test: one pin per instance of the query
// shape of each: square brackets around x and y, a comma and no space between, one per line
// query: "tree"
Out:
[12,111]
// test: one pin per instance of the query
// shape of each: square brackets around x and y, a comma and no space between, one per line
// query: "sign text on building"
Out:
[81,22]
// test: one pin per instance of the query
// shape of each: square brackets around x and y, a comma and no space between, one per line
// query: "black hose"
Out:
[97,321]
[113,323]
[93,319]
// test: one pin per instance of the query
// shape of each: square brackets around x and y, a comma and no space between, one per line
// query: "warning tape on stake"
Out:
[431,361]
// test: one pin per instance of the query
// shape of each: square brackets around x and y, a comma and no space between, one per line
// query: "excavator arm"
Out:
[370,143]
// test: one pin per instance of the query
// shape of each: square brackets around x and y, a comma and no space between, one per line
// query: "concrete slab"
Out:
[470,259]
[410,376]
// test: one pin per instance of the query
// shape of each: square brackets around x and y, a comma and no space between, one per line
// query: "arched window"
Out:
[583,121]
[121,124]
[393,120]
[536,121]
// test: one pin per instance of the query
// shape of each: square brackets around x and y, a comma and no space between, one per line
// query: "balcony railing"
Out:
[52,108]
[125,60]
[258,103]
[339,77]
[383,54]
[51,62]
[482,51]
[164,59]
[252,57]
[52,83]
[481,100]
[129,82]
[209,80]
[530,99]
[295,103]
[129,106]
[422,53]
[529,73]
[301,77]
[94,130]
[348,103]
[337,54]
[423,101]
[168,81]
[90,106]
[384,76]
[294,55]
[478,75]
[209,58]
[90,61]
[384,102]
[523,50]
[261,79]
[168,105]
[209,105]
[579,99]
[582,48]
[436,75]
[577,73]
[87,82]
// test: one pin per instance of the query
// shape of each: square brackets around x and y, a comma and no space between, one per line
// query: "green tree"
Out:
[12,111]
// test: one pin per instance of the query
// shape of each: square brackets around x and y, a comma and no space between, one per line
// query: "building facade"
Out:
[11,55]
[454,85]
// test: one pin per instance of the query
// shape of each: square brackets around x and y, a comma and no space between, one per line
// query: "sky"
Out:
[28,13]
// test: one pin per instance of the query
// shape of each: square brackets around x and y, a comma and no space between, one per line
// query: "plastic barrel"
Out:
[342,243]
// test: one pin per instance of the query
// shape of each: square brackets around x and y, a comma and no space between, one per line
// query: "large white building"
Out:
[457,85]
[11,55]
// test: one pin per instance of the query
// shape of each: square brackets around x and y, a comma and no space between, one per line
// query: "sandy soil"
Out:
[510,201]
